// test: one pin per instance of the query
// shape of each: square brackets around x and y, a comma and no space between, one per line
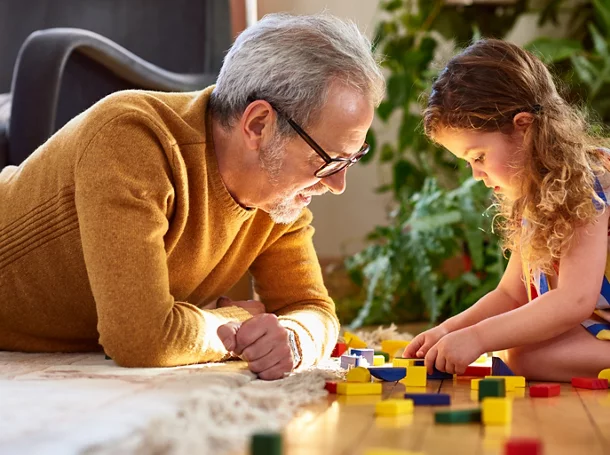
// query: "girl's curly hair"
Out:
[483,88]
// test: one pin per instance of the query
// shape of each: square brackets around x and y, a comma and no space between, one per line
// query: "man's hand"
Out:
[455,351]
[261,341]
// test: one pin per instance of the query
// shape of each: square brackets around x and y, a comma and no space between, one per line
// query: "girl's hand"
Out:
[455,351]
[419,346]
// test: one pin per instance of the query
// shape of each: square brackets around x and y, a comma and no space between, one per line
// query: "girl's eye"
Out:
[480,159]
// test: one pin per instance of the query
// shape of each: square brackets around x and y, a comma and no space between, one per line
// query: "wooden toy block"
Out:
[358,374]
[350,361]
[403,362]
[604,374]
[353,341]
[339,350]
[429,399]
[477,370]
[523,446]
[497,410]
[416,377]
[482,359]
[378,360]
[388,374]
[499,368]
[393,407]
[331,386]
[590,383]
[436,374]
[545,390]
[391,346]
[492,388]
[474,384]
[266,443]
[458,416]
[359,388]
[511,382]
[385,355]
[368,354]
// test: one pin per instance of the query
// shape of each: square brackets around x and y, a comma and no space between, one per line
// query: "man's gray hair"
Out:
[291,61]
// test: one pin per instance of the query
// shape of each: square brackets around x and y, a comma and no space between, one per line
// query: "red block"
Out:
[523,446]
[476,370]
[545,390]
[590,383]
[331,386]
[339,350]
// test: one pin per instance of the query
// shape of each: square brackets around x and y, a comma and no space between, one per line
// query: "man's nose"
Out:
[335,183]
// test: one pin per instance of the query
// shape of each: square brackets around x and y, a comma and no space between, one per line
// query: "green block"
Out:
[492,387]
[458,416]
[266,443]
[385,355]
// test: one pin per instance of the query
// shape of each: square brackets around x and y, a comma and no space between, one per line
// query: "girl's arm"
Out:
[509,294]
[557,311]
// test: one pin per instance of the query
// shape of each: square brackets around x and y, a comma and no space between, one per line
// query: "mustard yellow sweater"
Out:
[118,228]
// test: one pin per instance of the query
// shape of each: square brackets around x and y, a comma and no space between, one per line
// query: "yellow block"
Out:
[394,407]
[481,359]
[474,384]
[604,374]
[497,411]
[397,362]
[511,381]
[359,388]
[358,374]
[353,341]
[378,360]
[416,377]
[391,346]
[391,452]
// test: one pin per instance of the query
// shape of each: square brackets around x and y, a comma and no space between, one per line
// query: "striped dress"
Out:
[599,322]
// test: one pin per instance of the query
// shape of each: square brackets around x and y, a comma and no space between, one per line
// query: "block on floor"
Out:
[474,384]
[511,382]
[429,399]
[416,377]
[359,388]
[492,388]
[458,416]
[499,368]
[394,407]
[390,452]
[545,390]
[266,443]
[590,383]
[604,374]
[402,362]
[368,354]
[436,374]
[497,411]
[477,370]
[358,374]
[331,386]
[388,374]
[523,446]
[385,355]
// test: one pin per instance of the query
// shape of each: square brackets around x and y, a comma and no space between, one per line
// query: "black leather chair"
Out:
[60,72]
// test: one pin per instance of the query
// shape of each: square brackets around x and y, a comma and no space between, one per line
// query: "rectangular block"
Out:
[416,377]
[368,354]
[474,384]
[458,416]
[394,407]
[492,388]
[429,399]
[511,381]
[402,362]
[436,374]
[331,386]
[378,360]
[350,361]
[587,383]
[545,390]
[477,370]
[523,446]
[384,354]
[359,388]
[497,411]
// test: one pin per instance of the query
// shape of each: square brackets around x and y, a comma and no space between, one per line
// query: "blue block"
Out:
[429,399]
[436,374]
[420,363]
[499,368]
[389,374]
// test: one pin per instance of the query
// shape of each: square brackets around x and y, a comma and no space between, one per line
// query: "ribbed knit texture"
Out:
[118,228]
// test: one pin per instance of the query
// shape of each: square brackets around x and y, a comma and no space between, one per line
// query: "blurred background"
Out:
[411,238]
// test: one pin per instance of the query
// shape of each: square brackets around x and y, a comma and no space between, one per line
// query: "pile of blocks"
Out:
[492,384]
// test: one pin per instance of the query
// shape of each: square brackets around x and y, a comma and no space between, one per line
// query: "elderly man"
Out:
[123,230]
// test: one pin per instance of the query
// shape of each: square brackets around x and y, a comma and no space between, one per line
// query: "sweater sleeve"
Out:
[288,278]
[123,195]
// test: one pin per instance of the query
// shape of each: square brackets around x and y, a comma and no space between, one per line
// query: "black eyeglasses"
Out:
[331,165]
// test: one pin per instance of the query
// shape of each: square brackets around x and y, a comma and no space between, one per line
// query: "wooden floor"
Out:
[576,422]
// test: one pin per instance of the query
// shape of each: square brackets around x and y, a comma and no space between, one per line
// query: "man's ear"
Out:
[256,123]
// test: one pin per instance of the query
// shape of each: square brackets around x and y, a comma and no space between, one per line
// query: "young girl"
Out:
[496,106]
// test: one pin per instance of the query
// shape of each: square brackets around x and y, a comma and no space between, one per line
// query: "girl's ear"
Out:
[522,121]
